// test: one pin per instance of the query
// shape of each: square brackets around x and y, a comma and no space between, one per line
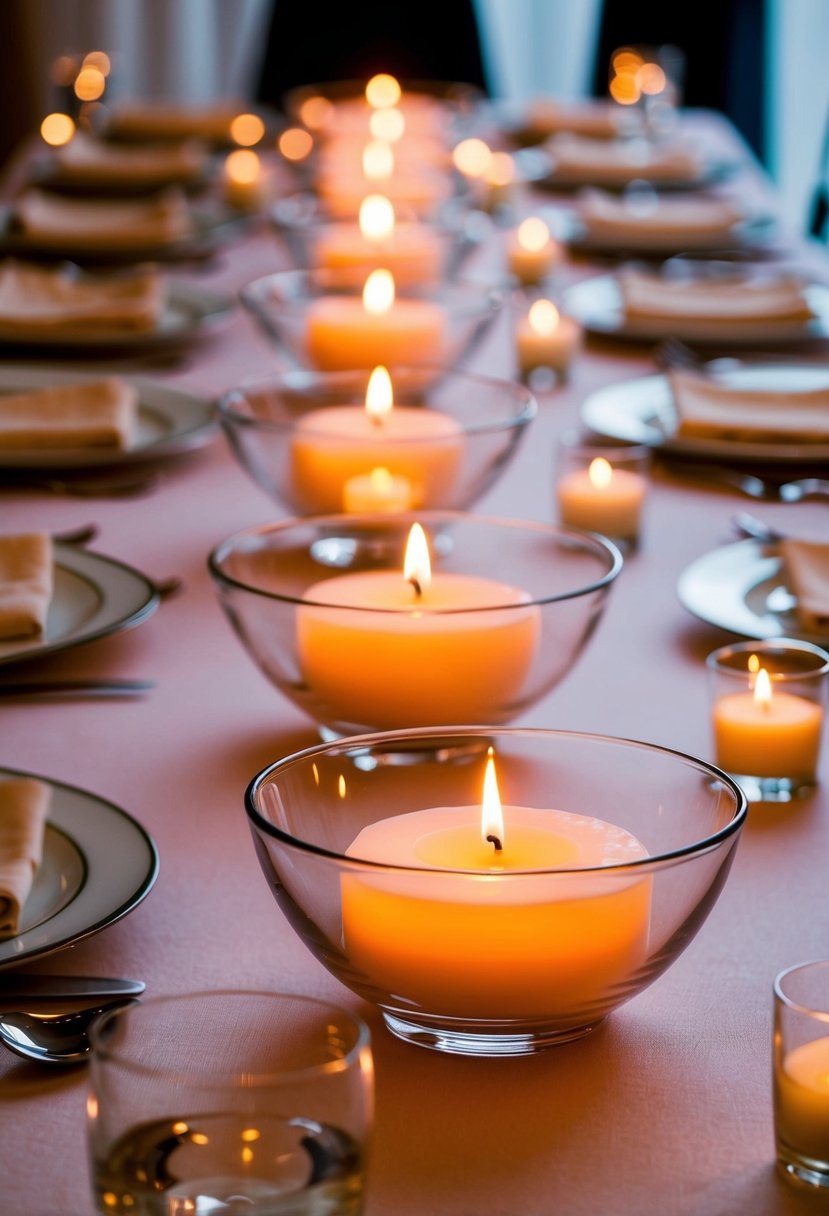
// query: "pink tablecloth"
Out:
[667,1108]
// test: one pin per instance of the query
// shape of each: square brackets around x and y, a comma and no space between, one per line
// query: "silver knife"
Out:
[18,987]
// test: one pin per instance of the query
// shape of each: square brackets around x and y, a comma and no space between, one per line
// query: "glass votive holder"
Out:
[768,701]
[532,252]
[602,488]
[229,1101]
[546,340]
[800,1082]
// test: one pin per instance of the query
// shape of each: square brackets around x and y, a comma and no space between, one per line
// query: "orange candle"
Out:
[388,649]
[531,251]
[475,937]
[544,338]
[410,250]
[767,733]
[602,499]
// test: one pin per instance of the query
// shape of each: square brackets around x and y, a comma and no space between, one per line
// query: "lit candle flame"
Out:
[753,664]
[378,293]
[472,157]
[543,317]
[501,169]
[315,112]
[379,395]
[376,218]
[600,473]
[762,689]
[651,79]
[378,160]
[57,129]
[417,568]
[295,143]
[492,819]
[89,84]
[99,60]
[533,234]
[383,91]
[387,124]
[243,166]
[247,129]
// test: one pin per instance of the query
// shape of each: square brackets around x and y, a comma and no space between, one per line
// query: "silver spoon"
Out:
[53,1038]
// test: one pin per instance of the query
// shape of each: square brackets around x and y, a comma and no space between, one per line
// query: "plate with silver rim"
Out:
[93,596]
[597,305]
[98,864]
[642,411]
[170,422]
[742,588]
[189,312]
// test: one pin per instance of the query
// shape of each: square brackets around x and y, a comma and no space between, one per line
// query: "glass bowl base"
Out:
[481,1040]
[774,789]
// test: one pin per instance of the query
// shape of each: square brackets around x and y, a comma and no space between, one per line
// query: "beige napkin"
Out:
[577,158]
[683,221]
[24,802]
[590,119]
[66,223]
[161,120]
[95,162]
[98,414]
[806,564]
[735,298]
[707,408]
[37,301]
[25,583]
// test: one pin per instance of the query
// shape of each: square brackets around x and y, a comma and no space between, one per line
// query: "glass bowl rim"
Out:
[208,1076]
[525,402]
[349,522]
[480,297]
[649,863]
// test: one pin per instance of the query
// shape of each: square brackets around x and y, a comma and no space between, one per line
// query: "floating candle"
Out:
[765,732]
[410,250]
[347,332]
[602,499]
[470,933]
[384,649]
[335,448]
[545,338]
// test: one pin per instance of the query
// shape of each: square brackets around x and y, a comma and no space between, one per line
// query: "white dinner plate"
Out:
[93,596]
[749,235]
[712,171]
[170,422]
[190,311]
[742,588]
[212,228]
[597,305]
[98,864]
[642,411]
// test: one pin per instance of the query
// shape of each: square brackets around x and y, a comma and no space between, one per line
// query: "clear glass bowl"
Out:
[386,878]
[287,304]
[310,232]
[278,434]
[470,648]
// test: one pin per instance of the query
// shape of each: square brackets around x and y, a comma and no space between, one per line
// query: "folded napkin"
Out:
[98,414]
[66,223]
[737,298]
[707,408]
[95,162]
[25,583]
[37,301]
[591,119]
[161,120]
[682,221]
[24,802]
[806,564]
[577,158]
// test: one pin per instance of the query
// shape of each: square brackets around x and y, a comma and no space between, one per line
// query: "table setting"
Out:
[413,779]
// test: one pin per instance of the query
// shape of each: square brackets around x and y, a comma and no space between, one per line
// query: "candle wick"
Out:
[491,839]
[417,587]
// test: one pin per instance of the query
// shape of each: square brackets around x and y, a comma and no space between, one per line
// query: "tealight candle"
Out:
[499,181]
[531,251]
[767,714]
[410,250]
[246,182]
[545,338]
[386,648]
[801,1072]
[348,332]
[335,449]
[602,498]
[479,940]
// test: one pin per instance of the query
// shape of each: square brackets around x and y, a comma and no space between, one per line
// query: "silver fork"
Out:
[759,487]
